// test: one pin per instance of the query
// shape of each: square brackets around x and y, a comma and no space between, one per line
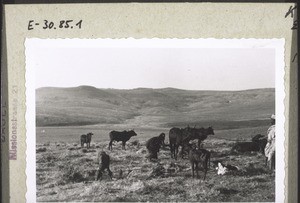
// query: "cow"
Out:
[104,162]
[153,145]
[120,137]
[180,137]
[199,156]
[246,147]
[262,141]
[202,134]
[86,139]
[257,144]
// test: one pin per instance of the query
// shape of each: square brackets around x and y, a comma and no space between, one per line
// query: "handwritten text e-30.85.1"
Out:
[63,24]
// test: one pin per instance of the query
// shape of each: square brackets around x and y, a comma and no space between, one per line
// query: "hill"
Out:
[86,105]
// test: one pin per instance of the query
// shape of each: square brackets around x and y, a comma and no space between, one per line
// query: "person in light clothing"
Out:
[270,147]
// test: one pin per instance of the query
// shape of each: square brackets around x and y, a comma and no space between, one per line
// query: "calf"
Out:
[153,145]
[197,156]
[86,139]
[104,162]
[120,137]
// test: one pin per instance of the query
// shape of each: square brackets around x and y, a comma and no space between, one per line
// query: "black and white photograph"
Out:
[155,120]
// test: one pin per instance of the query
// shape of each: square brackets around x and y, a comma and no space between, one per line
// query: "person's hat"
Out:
[273,116]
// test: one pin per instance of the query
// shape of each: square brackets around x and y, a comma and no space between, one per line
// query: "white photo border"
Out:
[277,44]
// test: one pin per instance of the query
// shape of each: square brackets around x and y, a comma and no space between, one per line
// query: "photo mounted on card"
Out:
[152,102]
[155,119]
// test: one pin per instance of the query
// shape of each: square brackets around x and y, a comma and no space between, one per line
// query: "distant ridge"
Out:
[146,88]
[85,105]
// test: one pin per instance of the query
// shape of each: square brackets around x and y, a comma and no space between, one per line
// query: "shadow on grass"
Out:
[227,191]
[252,170]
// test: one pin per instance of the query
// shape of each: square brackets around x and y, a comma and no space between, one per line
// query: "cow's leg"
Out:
[110,145]
[173,151]
[81,144]
[123,145]
[199,142]
[99,174]
[197,169]
[109,173]
[176,151]
[193,168]
[205,169]
[155,155]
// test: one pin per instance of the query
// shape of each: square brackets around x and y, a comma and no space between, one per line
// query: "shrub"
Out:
[72,174]
[135,142]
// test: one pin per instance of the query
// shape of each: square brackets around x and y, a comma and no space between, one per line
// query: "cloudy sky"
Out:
[126,64]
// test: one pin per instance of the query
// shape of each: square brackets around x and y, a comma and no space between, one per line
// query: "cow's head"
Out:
[132,133]
[210,130]
[162,137]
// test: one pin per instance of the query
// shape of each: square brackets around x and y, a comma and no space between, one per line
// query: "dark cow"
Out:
[86,139]
[246,147]
[180,137]
[120,137]
[262,141]
[202,134]
[258,144]
[199,156]
[153,145]
[104,162]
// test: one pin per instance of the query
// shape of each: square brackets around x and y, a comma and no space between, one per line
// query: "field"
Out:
[66,172]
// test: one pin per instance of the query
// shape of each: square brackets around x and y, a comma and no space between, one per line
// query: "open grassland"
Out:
[72,134]
[66,172]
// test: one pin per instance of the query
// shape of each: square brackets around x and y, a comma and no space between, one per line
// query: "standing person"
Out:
[270,147]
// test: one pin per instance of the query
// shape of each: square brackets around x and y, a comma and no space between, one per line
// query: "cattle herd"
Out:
[178,137]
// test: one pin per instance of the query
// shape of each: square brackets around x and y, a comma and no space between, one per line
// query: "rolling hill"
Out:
[86,105]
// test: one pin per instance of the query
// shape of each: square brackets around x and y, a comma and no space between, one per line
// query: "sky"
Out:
[191,65]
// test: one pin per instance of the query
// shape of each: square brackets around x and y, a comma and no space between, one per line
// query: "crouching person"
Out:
[104,162]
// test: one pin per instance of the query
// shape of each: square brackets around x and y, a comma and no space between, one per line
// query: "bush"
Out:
[72,174]
[135,142]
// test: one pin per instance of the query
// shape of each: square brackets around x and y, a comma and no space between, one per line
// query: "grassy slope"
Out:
[166,107]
